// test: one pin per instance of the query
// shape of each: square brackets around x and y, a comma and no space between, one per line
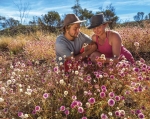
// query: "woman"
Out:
[108,41]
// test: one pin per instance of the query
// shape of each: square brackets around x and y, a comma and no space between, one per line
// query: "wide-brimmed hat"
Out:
[71,19]
[97,20]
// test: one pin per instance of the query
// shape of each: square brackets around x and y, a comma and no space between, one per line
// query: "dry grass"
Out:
[32,89]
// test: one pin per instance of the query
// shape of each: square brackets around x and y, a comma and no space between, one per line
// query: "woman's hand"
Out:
[101,58]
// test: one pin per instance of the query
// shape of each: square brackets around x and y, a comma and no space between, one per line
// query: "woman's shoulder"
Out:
[114,37]
[113,32]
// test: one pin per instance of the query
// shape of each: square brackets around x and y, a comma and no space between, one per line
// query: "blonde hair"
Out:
[107,28]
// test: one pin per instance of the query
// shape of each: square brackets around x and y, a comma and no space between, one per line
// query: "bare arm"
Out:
[116,47]
[90,48]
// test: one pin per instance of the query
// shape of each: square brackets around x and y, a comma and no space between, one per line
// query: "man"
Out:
[70,43]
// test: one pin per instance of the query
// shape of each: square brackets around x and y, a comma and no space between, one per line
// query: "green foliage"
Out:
[16,30]
[76,8]
[7,23]
[50,21]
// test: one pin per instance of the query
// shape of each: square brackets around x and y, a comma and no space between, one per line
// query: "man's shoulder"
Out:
[60,38]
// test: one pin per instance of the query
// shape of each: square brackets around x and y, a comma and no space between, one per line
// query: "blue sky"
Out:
[125,10]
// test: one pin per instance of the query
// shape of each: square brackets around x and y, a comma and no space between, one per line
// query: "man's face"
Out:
[74,30]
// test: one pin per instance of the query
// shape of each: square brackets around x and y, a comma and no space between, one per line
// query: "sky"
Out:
[124,9]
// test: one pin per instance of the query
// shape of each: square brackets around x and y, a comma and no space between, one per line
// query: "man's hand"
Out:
[90,46]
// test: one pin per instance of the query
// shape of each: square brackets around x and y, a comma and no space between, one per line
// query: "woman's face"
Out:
[99,29]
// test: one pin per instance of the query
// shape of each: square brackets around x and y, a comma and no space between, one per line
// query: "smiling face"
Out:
[99,30]
[72,31]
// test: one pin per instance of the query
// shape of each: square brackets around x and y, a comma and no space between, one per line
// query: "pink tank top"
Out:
[106,49]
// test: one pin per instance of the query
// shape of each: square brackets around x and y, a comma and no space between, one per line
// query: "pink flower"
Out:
[111,102]
[80,109]
[84,117]
[117,113]
[79,103]
[112,76]
[74,97]
[67,112]
[117,98]
[91,100]
[141,116]
[74,104]
[37,108]
[104,90]
[56,69]
[45,95]
[102,94]
[62,108]
[111,94]
[104,116]
[20,114]
[103,87]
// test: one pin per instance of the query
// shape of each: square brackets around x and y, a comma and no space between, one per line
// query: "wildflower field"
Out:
[33,87]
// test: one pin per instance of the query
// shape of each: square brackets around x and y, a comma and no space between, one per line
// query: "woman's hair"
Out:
[107,27]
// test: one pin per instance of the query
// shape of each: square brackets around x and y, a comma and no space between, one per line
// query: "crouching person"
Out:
[70,43]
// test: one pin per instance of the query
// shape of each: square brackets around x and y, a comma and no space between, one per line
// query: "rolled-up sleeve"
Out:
[62,50]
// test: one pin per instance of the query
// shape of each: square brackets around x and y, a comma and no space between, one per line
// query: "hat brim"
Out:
[93,26]
[80,21]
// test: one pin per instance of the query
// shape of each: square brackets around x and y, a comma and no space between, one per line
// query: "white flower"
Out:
[20,85]
[11,66]
[13,81]
[88,104]
[100,76]
[61,82]
[39,118]
[29,90]
[26,116]
[102,56]
[3,89]
[64,56]
[71,53]
[60,58]
[28,93]
[1,100]
[136,44]
[76,72]
[21,90]
[111,60]
[60,63]
[110,113]
[65,92]
[9,82]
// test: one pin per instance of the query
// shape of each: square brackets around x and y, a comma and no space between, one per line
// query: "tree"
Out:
[23,10]
[8,23]
[76,8]
[49,21]
[109,14]
[81,13]
[86,15]
[148,15]
[139,16]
